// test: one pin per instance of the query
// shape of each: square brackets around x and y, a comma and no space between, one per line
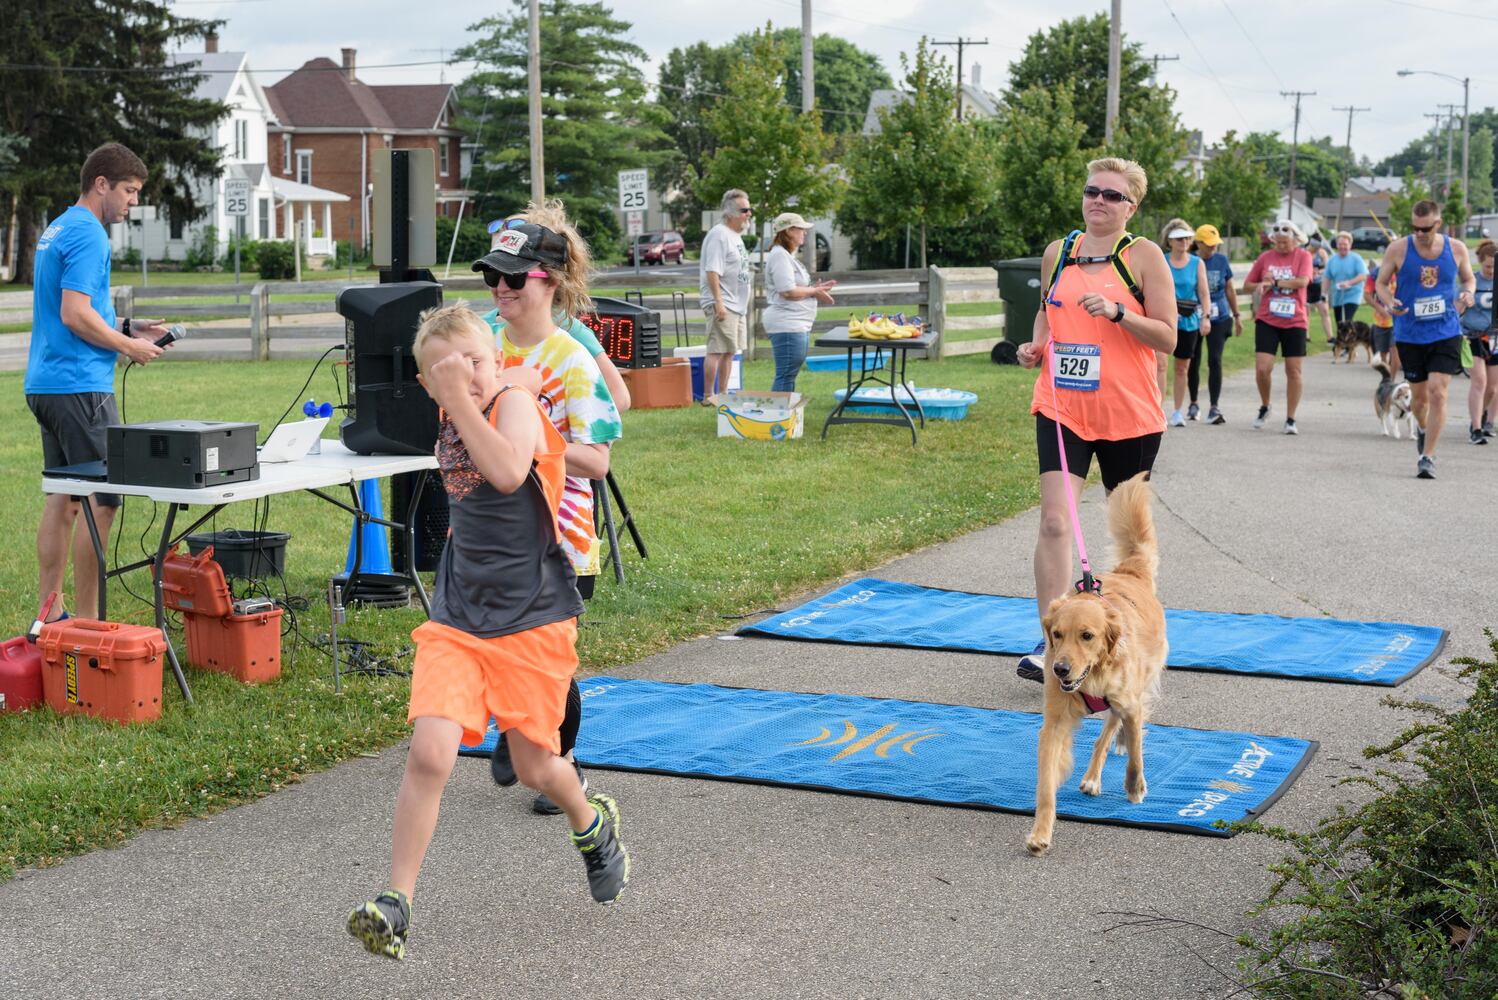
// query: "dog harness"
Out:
[1089,585]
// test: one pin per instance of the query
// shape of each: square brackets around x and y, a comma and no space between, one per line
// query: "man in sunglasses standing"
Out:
[1428,267]
[1281,322]
[724,291]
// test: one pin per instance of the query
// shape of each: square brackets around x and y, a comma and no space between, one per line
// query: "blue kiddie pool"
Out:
[839,362]
[938,404]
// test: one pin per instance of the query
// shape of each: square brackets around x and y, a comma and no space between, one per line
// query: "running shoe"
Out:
[1290,427]
[383,924]
[605,858]
[1032,664]
[1176,420]
[1214,416]
[542,804]
[1487,428]
[1261,418]
[1426,468]
[1476,436]
[500,766]
[1193,412]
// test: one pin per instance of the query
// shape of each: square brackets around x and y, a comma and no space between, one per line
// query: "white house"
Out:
[241,138]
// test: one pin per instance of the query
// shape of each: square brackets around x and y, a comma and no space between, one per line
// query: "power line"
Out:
[1206,62]
[195,70]
[1294,142]
[1346,163]
[1443,10]
[1251,41]
[1156,60]
[960,44]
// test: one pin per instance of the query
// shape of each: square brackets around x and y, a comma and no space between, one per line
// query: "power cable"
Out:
[1205,62]
[1262,56]
[1443,10]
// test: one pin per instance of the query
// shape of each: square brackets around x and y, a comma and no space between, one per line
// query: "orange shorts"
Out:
[520,679]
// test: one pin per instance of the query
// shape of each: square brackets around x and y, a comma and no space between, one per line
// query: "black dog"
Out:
[1351,336]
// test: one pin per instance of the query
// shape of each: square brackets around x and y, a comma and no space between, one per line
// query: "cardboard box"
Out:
[659,388]
[761,415]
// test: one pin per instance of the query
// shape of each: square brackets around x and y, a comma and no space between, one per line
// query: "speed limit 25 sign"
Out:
[237,197]
[634,190]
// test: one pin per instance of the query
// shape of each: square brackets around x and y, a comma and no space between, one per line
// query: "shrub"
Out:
[1398,898]
[473,241]
[341,251]
[249,255]
[202,253]
[276,260]
[128,257]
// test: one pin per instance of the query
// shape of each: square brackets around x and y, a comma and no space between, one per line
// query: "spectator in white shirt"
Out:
[792,299]
[724,293]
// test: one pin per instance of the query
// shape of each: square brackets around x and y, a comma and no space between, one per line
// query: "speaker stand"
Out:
[601,490]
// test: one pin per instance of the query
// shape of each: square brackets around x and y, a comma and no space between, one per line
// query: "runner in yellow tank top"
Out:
[1100,367]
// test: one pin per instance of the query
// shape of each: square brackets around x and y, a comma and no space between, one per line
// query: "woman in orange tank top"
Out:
[1095,344]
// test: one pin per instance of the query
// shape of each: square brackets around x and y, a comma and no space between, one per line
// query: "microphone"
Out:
[175,332]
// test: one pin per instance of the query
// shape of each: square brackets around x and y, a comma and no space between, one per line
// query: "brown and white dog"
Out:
[1109,647]
[1392,402]
[1351,336]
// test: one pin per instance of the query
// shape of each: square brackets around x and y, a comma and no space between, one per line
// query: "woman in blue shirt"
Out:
[1346,273]
[1477,324]
[1191,304]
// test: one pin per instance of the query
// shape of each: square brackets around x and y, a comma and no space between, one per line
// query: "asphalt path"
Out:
[748,891]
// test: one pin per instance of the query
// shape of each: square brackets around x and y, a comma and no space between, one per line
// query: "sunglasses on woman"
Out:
[1283,229]
[515,282]
[1109,195]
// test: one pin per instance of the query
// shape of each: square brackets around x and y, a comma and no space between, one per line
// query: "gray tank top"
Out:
[503,570]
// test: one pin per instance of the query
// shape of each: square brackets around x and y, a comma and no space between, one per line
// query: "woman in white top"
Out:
[792,300]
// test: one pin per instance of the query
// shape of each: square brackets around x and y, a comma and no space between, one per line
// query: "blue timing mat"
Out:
[875,612]
[922,752]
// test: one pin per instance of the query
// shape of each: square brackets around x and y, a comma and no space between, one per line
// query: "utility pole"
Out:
[808,101]
[1294,143]
[1155,62]
[1450,110]
[1346,163]
[962,43]
[538,177]
[1466,144]
[1115,68]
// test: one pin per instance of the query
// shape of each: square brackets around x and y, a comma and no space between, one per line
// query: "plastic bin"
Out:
[1019,287]
[105,669]
[246,647]
[937,404]
[251,555]
[195,584]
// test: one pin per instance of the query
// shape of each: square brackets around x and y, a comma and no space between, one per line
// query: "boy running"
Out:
[502,637]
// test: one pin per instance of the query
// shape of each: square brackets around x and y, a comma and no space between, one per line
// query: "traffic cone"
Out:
[375,547]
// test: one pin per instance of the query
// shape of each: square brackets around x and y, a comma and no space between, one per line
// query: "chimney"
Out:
[348,64]
[977,76]
[210,42]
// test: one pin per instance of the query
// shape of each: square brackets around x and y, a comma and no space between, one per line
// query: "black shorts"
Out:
[1313,292]
[585,587]
[74,430]
[1481,349]
[1271,339]
[1420,361]
[1383,337]
[1345,312]
[1118,461]
[1186,341]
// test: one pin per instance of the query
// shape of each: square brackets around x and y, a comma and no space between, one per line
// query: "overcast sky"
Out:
[1234,57]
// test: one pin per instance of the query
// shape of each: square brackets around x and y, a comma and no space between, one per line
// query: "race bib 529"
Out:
[1077,366]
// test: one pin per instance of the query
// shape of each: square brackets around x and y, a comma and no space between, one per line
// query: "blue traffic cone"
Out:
[376,542]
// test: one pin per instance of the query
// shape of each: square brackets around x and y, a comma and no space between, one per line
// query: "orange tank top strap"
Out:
[550,461]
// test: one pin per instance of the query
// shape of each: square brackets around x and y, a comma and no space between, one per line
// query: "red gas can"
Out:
[103,668]
[20,674]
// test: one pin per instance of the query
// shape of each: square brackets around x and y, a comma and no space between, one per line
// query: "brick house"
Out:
[327,123]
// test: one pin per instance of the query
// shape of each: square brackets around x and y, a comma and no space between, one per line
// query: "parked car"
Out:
[660,248]
[1370,238]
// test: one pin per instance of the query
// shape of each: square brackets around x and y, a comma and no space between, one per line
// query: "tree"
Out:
[845,77]
[1403,201]
[1075,53]
[1480,169]
[1041,170]
[923,168]
[1318,163]
[92,71]
[1237,192]
[777,155]
[1454,212]
[596,120]
[1149,133]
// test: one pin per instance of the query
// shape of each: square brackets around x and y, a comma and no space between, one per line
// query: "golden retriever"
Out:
[1110,645]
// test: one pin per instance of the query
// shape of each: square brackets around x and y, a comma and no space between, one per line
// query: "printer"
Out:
[182,454]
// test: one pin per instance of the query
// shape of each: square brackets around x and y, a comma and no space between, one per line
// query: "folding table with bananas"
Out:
[899,336]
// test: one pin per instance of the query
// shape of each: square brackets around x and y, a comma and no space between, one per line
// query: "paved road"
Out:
[744,891]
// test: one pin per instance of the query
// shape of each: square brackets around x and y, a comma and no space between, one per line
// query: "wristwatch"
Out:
[125,327]
[1118,316]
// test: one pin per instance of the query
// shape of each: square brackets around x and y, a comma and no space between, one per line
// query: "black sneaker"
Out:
[1426,468]
[1263,416]
[604,856]
[383,924]
[1487,428]
[1193,412]
[1215,417]
[1032,664]
[542,804]
[500,766]
[1476,436]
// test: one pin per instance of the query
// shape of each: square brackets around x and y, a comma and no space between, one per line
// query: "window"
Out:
[176,220]
[443,155]
[285,154]
[241,139]
[304,166]
[263,211]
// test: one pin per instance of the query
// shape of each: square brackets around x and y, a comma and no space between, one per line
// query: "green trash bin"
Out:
[1019,287]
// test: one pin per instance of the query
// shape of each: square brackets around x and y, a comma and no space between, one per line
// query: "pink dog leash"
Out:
[1087,584]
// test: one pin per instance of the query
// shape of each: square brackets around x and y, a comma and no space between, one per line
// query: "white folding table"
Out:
[334,466]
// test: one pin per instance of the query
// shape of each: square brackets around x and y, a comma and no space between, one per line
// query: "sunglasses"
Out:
[499,224]
[1425,229]
[1283,229]
[514,282]
[1107,194]
[746,211]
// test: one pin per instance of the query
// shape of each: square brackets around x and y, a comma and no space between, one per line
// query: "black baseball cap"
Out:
[521,245]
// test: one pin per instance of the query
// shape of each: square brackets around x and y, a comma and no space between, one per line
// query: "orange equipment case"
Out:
[105,669]
[246,647]
[195,584]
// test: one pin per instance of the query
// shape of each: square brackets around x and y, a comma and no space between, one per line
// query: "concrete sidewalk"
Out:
[746,891]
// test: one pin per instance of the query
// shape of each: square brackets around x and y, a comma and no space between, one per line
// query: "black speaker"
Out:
[431,520]
[389,412]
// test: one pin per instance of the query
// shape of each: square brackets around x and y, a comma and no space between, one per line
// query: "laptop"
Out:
[90,471]
[291,442]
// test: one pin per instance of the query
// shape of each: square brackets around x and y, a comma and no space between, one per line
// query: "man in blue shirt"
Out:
[70,370]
